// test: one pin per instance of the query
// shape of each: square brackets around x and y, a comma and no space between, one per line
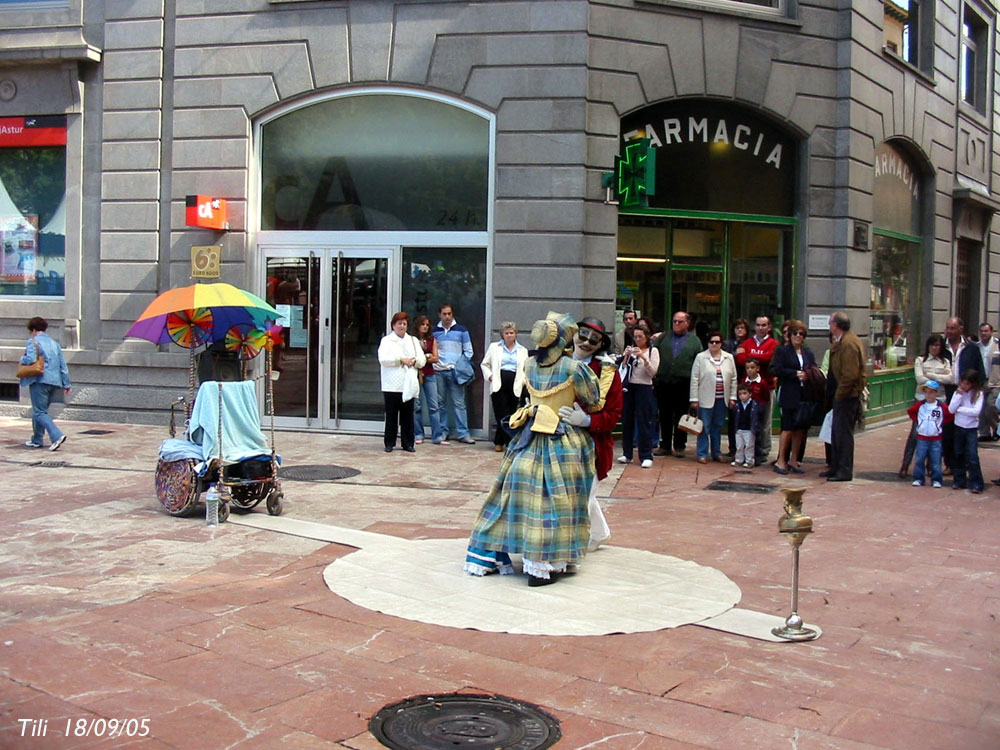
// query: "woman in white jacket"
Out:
[503,369]
[400,356]
[713,391]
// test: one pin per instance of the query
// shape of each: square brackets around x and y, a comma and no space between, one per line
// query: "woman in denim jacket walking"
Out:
[54,377]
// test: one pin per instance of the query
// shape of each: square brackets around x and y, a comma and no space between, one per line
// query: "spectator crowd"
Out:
[677,385]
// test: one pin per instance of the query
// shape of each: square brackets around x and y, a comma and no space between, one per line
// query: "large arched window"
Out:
[385,162]
[896,259]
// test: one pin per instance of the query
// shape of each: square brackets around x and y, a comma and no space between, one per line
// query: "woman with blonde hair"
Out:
[400,356]
[503,369]
[713,393]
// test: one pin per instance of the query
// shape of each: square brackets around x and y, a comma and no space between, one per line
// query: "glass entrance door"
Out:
[334,305]
[294,288]
[359,308]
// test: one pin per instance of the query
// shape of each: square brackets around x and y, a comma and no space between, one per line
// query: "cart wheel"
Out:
[223,512]
[177,487]
[274,504]
[245,497]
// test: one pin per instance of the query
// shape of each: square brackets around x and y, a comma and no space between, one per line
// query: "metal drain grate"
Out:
[746,487]
[879,476]
[316,472]
[443,722]
[97,432]
[50,464]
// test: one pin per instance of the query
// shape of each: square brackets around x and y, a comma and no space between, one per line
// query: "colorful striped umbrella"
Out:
[225,305]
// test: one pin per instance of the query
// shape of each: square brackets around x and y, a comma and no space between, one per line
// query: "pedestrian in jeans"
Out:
[428,385]
[639,404]
[43,387]
[966,405]
[454,343]
[929,417]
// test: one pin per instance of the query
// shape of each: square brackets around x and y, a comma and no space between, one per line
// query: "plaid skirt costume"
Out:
[538,504]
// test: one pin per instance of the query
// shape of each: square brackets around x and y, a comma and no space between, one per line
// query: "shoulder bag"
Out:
[35,368]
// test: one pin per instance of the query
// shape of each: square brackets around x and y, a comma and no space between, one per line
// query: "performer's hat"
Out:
[596,324]
[552,337]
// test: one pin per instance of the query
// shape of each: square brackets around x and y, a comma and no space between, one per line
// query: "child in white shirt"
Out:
[930,416]
[966,405]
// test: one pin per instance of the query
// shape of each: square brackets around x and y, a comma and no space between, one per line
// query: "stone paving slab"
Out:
[109,608]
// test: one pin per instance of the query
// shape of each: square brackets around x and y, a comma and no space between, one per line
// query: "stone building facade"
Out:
[378,155]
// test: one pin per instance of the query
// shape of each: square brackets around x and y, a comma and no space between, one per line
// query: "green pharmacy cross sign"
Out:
[634,178]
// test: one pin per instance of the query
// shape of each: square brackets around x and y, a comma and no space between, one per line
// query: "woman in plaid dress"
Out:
[538,504]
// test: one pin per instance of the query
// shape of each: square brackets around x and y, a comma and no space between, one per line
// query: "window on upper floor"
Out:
[770,7]
[975,57]
[908,31]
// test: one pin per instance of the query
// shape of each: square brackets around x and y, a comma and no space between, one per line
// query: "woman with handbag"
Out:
[401,357]
[639,402]
[428,385]
[43,370]
[713,393]
[503,368]
[791,363]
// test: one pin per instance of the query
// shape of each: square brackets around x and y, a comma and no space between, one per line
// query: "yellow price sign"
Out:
[206,261]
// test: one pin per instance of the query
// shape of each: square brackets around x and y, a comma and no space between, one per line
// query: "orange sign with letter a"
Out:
[206,211]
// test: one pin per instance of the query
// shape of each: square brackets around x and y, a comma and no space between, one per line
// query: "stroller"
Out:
[224,444]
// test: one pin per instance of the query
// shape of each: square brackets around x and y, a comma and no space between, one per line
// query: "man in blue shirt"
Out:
[453,342]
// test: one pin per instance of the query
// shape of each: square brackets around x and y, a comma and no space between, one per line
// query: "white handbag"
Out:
[691,424]
[411,378]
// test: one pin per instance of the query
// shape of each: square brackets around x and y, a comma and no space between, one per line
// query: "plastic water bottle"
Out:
[212,506]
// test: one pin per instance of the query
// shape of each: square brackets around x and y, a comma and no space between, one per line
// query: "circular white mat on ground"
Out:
[618,590]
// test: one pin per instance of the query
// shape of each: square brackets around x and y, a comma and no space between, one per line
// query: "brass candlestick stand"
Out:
[795,525]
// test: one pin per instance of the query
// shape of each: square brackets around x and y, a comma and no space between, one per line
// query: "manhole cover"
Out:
[878,476]
[97,432]
[50,464]
[748,487]
[439,722]
[316,472]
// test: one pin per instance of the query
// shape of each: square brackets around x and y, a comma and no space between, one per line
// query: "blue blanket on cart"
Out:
[241,434]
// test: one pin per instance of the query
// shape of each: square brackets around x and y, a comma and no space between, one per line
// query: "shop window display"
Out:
[895,336]
[895,275]
[32,215]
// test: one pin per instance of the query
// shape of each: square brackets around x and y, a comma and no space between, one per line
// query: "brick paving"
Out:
[110,608]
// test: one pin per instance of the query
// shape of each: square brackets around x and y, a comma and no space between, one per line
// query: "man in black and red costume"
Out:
[590,345]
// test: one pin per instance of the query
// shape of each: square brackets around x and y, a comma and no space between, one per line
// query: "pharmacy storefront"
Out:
[717,236]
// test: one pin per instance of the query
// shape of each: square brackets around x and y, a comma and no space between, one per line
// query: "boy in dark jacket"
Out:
[746,417]
[760,390]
